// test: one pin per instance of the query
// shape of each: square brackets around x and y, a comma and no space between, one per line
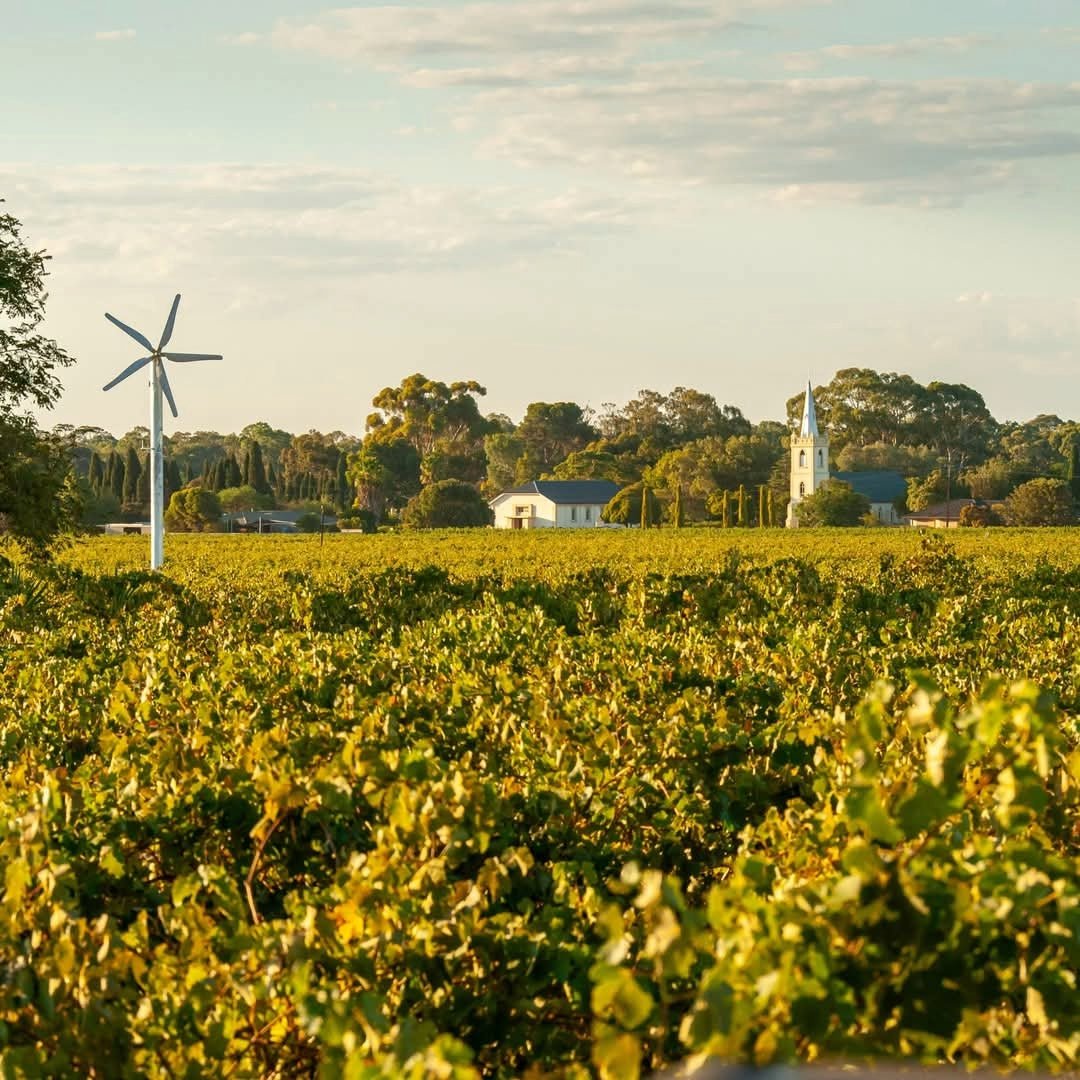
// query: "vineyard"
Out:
[548,805]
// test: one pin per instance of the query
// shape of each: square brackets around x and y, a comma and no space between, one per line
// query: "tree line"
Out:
[683,446]
[701,459]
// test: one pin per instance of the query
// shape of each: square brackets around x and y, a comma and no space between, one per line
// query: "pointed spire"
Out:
[809,414]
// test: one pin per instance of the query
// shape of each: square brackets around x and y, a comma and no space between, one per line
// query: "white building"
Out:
[810,469]
[553,504]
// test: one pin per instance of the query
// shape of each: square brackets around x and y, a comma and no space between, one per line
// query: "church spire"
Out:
[809,415]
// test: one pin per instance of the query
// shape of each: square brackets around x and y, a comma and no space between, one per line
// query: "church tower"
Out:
[809,458]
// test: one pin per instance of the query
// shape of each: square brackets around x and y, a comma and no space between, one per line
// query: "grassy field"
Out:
[558,804]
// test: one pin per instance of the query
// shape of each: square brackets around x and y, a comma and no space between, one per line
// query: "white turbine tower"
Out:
[159,384]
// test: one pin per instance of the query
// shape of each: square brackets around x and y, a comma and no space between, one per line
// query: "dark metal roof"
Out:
[878,485]
[562,492]
[941,511]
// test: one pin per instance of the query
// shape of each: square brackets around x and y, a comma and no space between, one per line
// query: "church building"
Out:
[810,469]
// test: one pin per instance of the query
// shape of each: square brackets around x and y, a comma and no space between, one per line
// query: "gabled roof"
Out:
[941,511]
[878,485]
[563,492]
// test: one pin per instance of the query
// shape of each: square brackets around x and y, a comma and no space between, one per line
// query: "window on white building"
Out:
[821,457]
[802,490]
[573,513]
[802,459]
[521,511]
[588,513]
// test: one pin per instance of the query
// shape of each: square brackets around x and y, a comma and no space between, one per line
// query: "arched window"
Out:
[802,490]
[821,457]
[802,459]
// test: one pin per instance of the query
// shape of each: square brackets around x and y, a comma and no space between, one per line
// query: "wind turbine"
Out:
[159,383]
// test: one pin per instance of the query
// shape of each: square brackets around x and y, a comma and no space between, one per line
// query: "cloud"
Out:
[927,143]
[892,50]
[386,34]
[1036,335]
[315,224]
[245,38]
[114,35]
[638,89]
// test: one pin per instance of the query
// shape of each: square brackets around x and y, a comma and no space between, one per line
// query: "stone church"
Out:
[810,469]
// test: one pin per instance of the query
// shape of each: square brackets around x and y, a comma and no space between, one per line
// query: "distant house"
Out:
[126,528]
[269,521]
[882,487]
[553,504]
[945,515]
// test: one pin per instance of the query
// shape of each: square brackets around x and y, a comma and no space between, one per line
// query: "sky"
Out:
[562,199]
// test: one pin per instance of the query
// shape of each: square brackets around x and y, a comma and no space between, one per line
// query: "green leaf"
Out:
[864,807]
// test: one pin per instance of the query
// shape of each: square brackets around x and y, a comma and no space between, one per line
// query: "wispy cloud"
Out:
[637,88]
[314,223]
[385,34]
[114,35]
[888,50]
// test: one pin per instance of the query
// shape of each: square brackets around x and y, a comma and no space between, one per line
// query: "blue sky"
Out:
[564,199]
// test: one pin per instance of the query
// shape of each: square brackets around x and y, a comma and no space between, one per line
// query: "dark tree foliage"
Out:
[36,498]
[834,503]
[1041,502]
[625,507]
[448,504]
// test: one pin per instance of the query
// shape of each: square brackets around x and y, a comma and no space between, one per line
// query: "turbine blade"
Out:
[170,322]
[129,370]
[190,357]
[167,389]
[131,333]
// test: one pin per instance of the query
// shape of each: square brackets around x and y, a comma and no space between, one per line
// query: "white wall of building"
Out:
[539,512]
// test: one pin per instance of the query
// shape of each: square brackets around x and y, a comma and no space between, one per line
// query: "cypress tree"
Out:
[132,472]
[257,477]
[1074,469]
[762,512]
[207,475]
[677,510]
[233,476]
[646,517]
[724,509]
[142,488]
[741,520]
[118,476]
[245,468]
[95,474]
[219,482]
[341,488]
[174,481]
